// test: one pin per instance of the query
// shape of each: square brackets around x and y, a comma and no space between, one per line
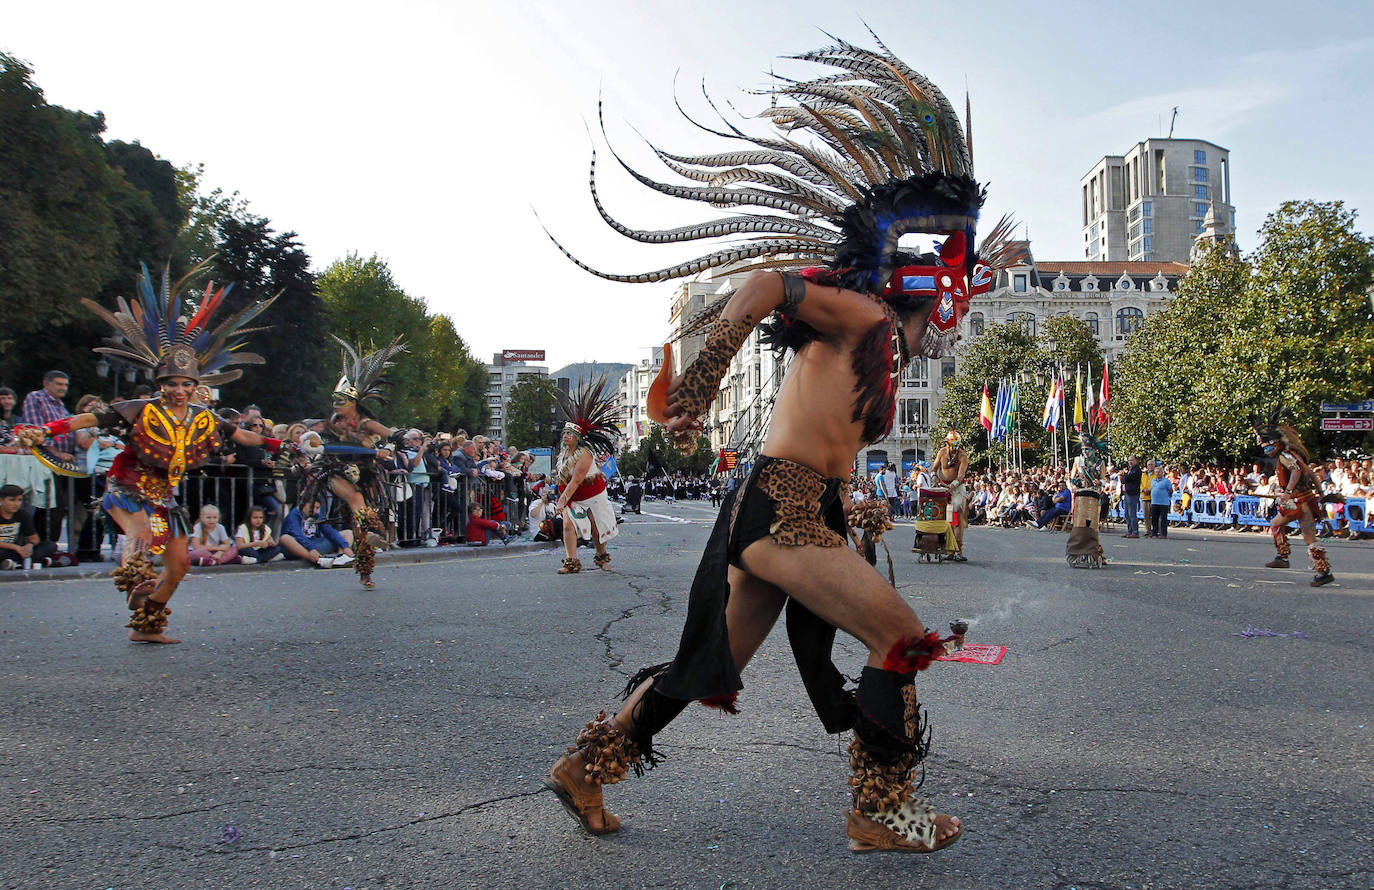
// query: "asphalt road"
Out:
[309,734]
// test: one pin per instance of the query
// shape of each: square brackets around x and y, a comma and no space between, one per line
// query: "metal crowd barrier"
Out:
[436,510]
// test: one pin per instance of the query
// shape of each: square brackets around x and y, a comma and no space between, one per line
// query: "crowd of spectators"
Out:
[447,488]
[1034,497]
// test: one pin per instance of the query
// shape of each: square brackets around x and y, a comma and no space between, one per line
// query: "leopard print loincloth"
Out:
[795,493]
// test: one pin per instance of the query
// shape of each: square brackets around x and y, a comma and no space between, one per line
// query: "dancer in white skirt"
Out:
[582,501]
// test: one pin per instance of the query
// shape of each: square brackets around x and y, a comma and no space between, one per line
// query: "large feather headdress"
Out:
[155,331]
[857,158]
[1270,429]
[364,374]
[591,415]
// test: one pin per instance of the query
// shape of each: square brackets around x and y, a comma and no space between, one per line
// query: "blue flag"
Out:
[609,469]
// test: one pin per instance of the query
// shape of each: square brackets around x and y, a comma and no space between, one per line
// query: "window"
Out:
[1089,285]
[1090,319]
[1149,244]
[946,369]
[1199,210]
[1128,319]
[1198,230]
[975,323]
[1124,284]
[918,372]
[1134,232]
[1061,285]
[1025,319]
[1199,174]
[1199,156]
[1200,192]
[1018,283]
[1096,230]
[1145,207]
[1149,227]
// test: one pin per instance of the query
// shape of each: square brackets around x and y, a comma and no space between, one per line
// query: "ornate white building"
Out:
[1112,297]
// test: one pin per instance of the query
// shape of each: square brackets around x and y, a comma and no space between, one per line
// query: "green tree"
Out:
[532,413]
[1067,341]
[76,217]
[367,309]
[1291,322]
[1003,352]
[300,365]
[1160,400]
[452,366]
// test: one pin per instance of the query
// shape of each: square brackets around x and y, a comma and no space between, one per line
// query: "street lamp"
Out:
[121,368]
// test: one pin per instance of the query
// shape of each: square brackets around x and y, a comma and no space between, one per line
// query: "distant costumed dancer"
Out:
[164,437]
[855,159]
[1297,495]
[1087,479]
[587,513]
[344,461]
[949,469]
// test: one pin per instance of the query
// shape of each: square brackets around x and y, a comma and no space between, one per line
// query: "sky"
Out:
[431,133]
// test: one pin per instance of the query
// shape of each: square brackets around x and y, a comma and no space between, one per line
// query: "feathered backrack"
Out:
[856,159]
[591,415]
[363,376]
[156,326]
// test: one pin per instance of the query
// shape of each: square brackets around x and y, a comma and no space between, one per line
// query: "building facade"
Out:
[503,374]
[633,397]
[1148,204]
[1112,297]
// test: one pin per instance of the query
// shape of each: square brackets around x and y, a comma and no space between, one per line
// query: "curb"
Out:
[403,556]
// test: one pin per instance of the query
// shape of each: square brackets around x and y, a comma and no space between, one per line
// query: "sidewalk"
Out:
[395,556]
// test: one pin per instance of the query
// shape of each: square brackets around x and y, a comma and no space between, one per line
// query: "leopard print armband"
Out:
[701,380]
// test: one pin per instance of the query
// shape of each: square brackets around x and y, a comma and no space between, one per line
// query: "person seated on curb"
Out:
[18,535]
[543,518]
[304,536]
[210,543]
[478,528]
[254,539]
[1062,502]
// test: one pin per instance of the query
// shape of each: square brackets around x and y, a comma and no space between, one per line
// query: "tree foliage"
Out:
[1290,322]
[532,413]
[1009,352]
[76,216]
[635,461]
[294,382]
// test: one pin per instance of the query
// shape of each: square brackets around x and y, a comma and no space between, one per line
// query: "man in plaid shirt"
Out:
[44,406]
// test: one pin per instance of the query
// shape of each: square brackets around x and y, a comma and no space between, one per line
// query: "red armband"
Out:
[914,654]
[271,444]
[59,427]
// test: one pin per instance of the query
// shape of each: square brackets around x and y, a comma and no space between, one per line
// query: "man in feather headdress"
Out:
[1296,495]
[859,158]
[582,502]
[164,436]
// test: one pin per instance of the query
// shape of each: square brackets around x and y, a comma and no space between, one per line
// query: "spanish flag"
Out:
[985,410]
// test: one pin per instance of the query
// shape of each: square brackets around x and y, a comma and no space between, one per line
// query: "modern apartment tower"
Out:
[1150,203]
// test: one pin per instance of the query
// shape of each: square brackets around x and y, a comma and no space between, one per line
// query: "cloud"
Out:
[1214,111]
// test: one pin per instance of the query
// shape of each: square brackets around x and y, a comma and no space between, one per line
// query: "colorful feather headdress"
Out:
[591,415]
[364,375]
[1269,429]
[857,159]
[153,332]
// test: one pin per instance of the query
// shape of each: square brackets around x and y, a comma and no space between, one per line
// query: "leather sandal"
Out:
[579,797]
[909,829]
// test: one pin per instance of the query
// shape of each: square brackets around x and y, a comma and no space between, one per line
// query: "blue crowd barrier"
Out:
[1356,519]
[1208,509]
[1177,512]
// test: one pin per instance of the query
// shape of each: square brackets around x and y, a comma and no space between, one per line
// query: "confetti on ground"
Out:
[1266,632]
[228,834]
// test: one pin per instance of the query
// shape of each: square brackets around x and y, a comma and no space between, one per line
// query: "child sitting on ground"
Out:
[210,543]
[478,528]
[254,539]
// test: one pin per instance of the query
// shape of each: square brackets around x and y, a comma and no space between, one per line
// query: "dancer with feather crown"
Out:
[345,461]
[166,436]
[855,158]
